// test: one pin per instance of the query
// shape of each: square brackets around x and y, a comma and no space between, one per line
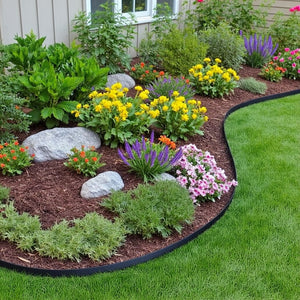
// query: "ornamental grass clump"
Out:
[272,72]
[84,161]
[252,85]
[177,117]
[259,50]
[198,172]
[213,80]
[14,158]
[290,61]
[144,73]
[115,116]
[166,85]
[148,159]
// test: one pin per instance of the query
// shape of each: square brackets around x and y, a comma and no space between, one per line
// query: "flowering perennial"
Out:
[272,72]
[14,158]
[145,73]
[148,159]
[213,80]
[197,171]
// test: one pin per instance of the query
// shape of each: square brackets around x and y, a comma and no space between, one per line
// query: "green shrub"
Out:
[224,44]
[4,193]
[252,85]
[179,50]
[153,209]
[106,36]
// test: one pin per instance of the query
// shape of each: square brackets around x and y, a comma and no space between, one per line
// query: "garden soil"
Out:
[52,191]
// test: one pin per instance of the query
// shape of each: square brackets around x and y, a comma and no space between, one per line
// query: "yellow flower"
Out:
[154,102]
[154,113]
[165,108]
[206,77]
[203,110]
[86,106]
[93,94]
[192,102]
[205,118]
[125,90]
[77,114]
[144,106]
[117,119]
[138,88]
[207,60]
[98,108]
[78,106]
[175,94]
[116,86]
[194,116]
[143,95]
[162,99]
[128,105]
[218,60]
[185,117]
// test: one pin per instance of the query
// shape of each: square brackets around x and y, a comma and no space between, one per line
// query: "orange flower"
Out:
[75,159]
[2,165]
[32,155]
[14,158]
[6,144]
[16,143]
[147,71]
[154,71]
[94,158]
[142,65]
[86,160]
[167,142]
[172,145]
[187,81]
[12,151]
[26,147]
[82,154]
[17,107]
[1,147]
[161,73]
[133,69]
[1,155]
[92,148]
[22,149]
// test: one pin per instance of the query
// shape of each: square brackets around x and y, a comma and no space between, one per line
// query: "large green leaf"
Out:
[58,113]
[47,112]
[67,106]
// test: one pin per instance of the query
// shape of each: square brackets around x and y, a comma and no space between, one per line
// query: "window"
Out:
[142,9]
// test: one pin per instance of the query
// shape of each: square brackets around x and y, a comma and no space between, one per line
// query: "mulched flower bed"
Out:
[52,191]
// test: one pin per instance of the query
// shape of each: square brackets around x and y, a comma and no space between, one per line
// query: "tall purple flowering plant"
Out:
[148,159]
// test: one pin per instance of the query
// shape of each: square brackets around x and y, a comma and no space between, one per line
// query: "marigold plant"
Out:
[115,116]
[272,72]
[84,161]
[145,73]
[178,117]
[213,80]
[14,158]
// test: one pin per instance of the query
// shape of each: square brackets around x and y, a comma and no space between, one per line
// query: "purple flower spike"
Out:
[153,156]
[143,144]
[137,148]
[123,157]
[176,157]
[147,156]
[165,155]
[128,150]
[152,137]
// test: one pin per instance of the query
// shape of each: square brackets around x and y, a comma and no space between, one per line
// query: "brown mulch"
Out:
[52,191]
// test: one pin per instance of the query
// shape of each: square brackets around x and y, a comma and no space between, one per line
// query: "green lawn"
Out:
[252,252]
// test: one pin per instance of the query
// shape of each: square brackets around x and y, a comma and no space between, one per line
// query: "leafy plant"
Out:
[178,117]
[225,45]
[86,161]
[272,72]
[115,116]
[252,85]
[147,159]
[152,209]
[4,193]
[105,35]
[213,80]
[259,51]
[144,73]
[289,60]
[14,158]
[166,85]
[198,172]
[49,90]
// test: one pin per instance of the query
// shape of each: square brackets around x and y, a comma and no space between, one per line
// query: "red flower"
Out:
[147,71]
[142,65]
[22,149]
[32,155]
[161,73]
[12,151]
[75,159]
[82,154]
[86,160]
[2,165]
[94,158]
[14,158]
[16,143]
[133,69]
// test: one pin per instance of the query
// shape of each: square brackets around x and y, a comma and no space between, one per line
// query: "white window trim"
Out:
[141,17]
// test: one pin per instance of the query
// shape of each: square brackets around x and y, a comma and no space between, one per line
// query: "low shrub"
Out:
[4,193]
[252,85]
[213,80]
[144,73]
[289,60]
[14,158]
[148,159]
[84,161]
[272,72]
[177,117]
[166,85]
[198,172]
[153,209]
[116,117]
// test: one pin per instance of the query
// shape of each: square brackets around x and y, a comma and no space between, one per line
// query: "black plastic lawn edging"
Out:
[160,252]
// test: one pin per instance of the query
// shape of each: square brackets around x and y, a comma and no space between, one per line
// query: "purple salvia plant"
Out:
[128,150]
[153,157]
[123,157]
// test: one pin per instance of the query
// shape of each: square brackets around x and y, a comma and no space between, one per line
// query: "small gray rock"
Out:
[101,185]
[56,143]
[126,80]
[165,176]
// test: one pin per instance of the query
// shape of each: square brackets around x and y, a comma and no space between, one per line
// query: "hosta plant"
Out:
[84,161]
[14,158]
[198,172]
[115,116]
[149,159]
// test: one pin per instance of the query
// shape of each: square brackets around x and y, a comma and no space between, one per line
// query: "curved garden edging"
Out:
[160,252]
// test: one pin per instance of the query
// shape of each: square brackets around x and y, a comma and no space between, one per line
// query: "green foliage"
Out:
[240,15]
[272,72]
[13,158]
[224,44]
[12,118]
[4,193]
[106,36]
[85,162]
[153,209]
[115,116]
[177,117]
[213,80]
[179,50]
[252,85]
[144,73]
[286,31]
[166,85]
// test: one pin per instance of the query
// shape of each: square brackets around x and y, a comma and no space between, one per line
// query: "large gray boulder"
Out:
[126,80]
[56,143]
[102,185]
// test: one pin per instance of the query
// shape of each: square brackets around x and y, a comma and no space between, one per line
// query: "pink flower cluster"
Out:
[198,172]
[296,8]
[290,60]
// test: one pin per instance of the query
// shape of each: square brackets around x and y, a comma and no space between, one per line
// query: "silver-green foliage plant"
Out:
[106,36]
[4,193]
[252,85]
[224,44]
[153,209]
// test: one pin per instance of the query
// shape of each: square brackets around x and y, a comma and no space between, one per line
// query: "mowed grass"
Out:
[252,252]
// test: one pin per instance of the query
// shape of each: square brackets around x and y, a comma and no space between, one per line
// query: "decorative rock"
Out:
[56,143]
[165,176]
[126,80]
[101,185]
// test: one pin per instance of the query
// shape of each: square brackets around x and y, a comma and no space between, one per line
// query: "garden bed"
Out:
[52,191]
